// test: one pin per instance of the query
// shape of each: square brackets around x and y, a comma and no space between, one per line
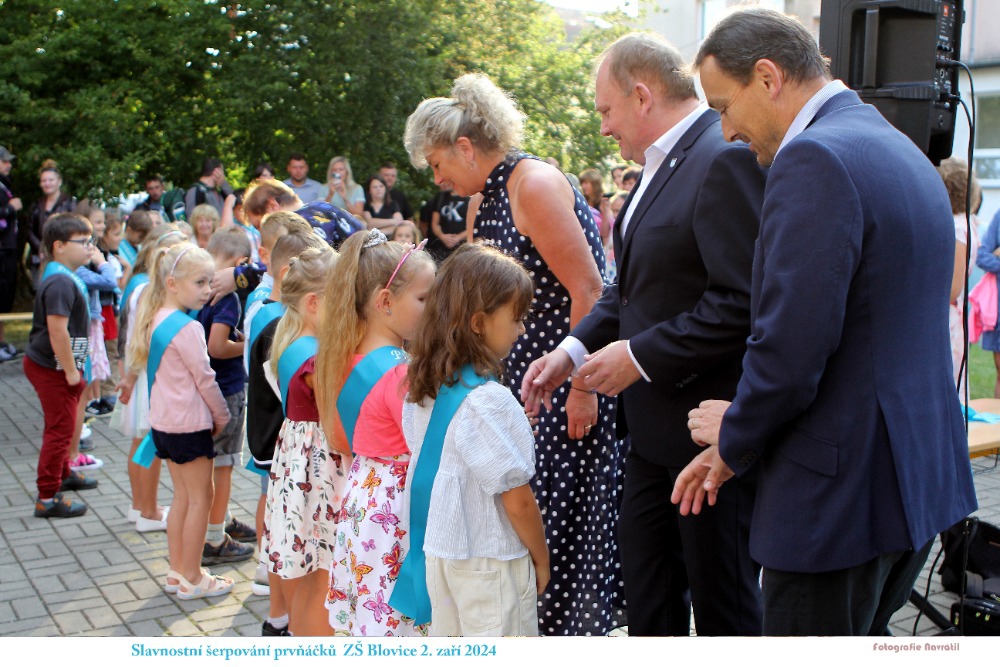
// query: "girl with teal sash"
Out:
[307,479]
[475,528]
[372,304]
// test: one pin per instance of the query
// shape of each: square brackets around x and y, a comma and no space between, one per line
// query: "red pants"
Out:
[59,407]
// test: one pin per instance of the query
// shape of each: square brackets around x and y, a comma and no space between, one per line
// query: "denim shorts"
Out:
[229,443]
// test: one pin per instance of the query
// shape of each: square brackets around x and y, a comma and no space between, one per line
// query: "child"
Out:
[55,358]
[109,245]
[131,414]
[137,228]
[228,247]
[272,227]
[306,478]
[186,407]
[484,538]
[264,415]
[406,232]
[372,304]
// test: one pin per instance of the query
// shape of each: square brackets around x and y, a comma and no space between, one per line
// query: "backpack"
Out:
[173,204]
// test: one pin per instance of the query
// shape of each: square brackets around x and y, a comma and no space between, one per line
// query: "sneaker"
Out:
[6,354]
[241,532]
[86,432]
[268,630]
[85,462]
[98,408]
[10,348]
[110,401]
[78,482]
[260,586]
[86,445]
[59,508]
[230,551]
[144,525]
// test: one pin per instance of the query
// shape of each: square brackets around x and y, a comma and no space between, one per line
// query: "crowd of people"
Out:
[537,407]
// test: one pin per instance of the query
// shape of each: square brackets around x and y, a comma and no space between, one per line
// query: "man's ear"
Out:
[769,75]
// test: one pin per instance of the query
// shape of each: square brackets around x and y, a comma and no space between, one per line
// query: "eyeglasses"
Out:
[86,243]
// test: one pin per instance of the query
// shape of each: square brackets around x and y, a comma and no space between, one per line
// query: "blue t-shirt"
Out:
[229,373]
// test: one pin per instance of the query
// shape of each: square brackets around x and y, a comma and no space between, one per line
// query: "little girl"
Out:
[186,407]
[109,244]
[406,232]
[307,479]
[131,414]
[472,510]
[372,304]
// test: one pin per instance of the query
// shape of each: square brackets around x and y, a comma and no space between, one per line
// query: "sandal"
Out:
[173,574]
[210,586]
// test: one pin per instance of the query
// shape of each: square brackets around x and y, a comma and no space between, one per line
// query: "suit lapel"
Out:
[670,165]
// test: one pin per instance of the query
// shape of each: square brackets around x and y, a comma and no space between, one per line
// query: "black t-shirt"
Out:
[8,216]
[403,203]
[58,295]
[451,210]
[385,213]
[264,414]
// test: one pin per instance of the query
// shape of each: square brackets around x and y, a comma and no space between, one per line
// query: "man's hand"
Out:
[705,421]
[223,283]
[15,203]
[611,369]
[544,376]
[581,413]
[701,479]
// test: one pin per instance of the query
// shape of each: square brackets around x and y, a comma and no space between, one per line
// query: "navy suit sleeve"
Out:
[809,252]
[725,224]
[600,326]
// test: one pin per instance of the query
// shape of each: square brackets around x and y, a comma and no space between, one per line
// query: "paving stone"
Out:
[29,607]
[72,621]
[102,617]
[145,628]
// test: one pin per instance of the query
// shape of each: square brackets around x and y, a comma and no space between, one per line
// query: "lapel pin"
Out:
[673,161]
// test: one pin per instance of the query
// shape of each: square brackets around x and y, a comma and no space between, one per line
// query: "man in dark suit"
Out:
[846,407]
[669,334]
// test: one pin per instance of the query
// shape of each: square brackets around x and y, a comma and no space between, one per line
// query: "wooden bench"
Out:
[16,317]
[984,439]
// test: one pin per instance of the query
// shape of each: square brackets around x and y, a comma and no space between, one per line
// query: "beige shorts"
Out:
[482,597]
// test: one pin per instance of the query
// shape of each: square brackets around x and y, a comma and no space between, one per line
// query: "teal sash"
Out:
[267,314]
[133,282]
[258,294]
[53,268]
[128,251]
[410,596]
[360,382]
[158,342]
[253,467]
[291,360]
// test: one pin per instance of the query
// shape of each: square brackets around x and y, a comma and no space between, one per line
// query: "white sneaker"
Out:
[144,525]
[260,585]
[86,432]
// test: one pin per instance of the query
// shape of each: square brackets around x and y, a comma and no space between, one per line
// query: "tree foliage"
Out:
[115,90]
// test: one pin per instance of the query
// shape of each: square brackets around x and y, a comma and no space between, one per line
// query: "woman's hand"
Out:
[581,413]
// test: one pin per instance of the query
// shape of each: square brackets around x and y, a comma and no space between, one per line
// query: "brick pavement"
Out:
[95,575]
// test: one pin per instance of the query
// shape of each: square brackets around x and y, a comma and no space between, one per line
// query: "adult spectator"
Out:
[592,189]
[389,173]
[298,179]
[10,204]
[53,201]
[448,223]
[380,210]
[262,170]
[204,221]
[154,197]
[528,209]
[341,190]
[211,188]
[669,334]
[846,406]
[630,178]
[616,175]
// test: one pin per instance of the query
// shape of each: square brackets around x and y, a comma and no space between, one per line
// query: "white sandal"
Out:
[173,574]
[210,586]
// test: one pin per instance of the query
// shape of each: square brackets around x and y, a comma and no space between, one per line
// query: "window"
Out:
[987,154]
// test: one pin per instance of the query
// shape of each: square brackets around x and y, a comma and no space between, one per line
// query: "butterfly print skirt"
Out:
[371,542]
[304,498]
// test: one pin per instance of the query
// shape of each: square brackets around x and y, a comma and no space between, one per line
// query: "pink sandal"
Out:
[210,586]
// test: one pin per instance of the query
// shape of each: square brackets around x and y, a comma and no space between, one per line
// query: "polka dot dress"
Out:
[578,482]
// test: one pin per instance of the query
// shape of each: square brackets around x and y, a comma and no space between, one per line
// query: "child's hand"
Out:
[532,414]
[542,576]
[124,390]
[72,376]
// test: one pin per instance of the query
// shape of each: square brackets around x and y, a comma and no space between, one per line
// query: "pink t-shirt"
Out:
[379,432]
[185,396]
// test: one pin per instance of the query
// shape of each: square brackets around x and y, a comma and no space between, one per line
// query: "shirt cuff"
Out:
[576,350]
[628,346]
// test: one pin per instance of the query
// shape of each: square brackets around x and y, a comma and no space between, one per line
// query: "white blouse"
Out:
[488,449]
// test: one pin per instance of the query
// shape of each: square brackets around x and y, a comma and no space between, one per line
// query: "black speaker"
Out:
[889,52]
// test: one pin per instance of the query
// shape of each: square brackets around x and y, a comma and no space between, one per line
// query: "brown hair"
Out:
[262,191]
[646,57]
[476,279]
[292,245]
[141,222]
[955,174]
[592,176]
[229,243]
[278,223]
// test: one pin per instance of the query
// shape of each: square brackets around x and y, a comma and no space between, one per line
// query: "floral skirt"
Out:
[303,499]
[100,367]
[372,540]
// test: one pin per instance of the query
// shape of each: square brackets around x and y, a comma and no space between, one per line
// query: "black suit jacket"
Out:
[683,293]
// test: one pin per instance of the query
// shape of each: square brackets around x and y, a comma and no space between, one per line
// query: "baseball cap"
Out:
[6,155]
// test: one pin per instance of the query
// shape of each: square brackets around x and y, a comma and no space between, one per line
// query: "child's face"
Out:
[404,234]
[133,237]
[74,252]
[408,305]
[501,329]
[193,290]
[97,222]
[113,237]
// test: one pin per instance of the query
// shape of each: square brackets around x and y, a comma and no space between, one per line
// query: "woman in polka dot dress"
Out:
[528,209]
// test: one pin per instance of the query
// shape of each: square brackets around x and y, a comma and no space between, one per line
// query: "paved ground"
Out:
[95,575]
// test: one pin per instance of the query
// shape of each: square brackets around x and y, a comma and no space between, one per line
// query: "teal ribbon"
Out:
[360,383]
[297,353]
[158,342]
[259,294]
[409,596]
[128,251]
[55,268]
[267,314]
[133,282]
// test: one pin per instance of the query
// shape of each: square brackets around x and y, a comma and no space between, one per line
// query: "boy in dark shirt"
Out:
[55,360]
[229,247]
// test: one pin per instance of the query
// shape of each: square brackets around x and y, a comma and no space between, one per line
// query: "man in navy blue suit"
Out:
[846,407]
[669,334]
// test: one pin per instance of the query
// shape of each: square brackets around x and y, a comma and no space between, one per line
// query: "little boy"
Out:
[137,228]
[228,246]
[55,359]
[264,414]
